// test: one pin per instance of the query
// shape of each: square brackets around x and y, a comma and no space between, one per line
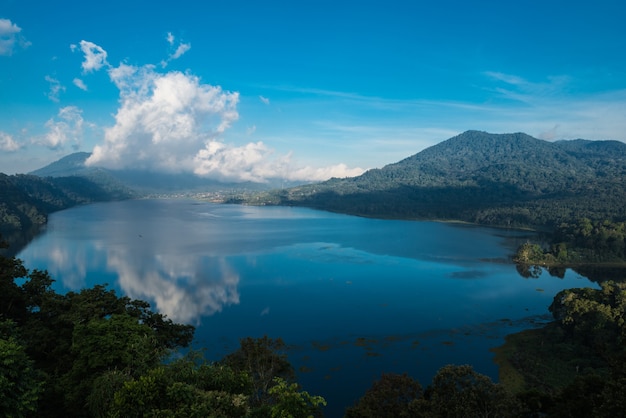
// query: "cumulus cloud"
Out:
[66,129]
[163,119]
[10,37]
[55,88]
[256,162]
[7,143]
[80,84]
[250,162]
[173,122]
[95,56]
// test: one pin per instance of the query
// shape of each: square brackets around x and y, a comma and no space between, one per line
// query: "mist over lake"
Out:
[353,297]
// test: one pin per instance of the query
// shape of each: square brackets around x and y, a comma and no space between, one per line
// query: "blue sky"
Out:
[304,90]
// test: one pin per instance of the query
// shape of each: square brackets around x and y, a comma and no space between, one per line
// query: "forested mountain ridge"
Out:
[26,200]
[493,179]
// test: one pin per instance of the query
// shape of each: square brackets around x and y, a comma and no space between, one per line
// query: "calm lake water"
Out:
[352,297]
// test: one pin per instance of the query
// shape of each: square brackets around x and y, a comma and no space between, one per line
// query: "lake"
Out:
[352,297]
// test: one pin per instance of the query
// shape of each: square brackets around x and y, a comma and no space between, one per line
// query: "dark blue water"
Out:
[352,297]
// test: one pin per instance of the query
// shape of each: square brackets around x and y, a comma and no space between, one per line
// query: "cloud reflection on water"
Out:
[179,285]
[185,287]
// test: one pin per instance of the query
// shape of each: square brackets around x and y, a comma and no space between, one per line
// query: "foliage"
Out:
[75,338]
[27,200]
[183,388]
[392,396]
[20,383]
[459,391]
[264,359]
[455,391]
[576,365]
[291,403]
[580,241]
[510,180]
[94,353]
[596,318]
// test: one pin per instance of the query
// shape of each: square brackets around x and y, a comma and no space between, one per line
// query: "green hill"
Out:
[27,200]
[511,180]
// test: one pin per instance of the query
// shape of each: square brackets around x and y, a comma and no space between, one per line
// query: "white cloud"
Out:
[66,129]
[95,56]
[55,88]
[324,173]
[10,37]
[80,84]
[178,52]
[171,121]
[182,48]
[250,162]
[265,100]
[7,143]
[256,162]
[163,119]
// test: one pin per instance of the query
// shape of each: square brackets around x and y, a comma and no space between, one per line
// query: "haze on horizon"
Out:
[244,91]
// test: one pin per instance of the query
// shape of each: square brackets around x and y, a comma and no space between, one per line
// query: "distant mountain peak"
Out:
[66,166]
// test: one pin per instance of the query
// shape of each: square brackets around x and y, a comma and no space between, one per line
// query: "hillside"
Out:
[26,201]
[511,180]
[147,182]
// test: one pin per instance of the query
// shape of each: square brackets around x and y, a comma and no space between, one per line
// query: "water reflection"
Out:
[329,284]
[185,287]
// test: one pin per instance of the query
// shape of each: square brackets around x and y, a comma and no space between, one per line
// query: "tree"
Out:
[185,388]
[459,391]
[263,359]
[394,395]
[20,383]
[290,403]
[597,318]
[12,303]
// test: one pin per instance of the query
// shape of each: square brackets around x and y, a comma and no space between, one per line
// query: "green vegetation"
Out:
[94,353]
[581,242]
[456,391]
[26,200]
[574,366]
[510,180]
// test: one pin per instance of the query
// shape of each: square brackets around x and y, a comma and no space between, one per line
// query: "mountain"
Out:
[511,180]
[27,200]
[147,182]
[71,165]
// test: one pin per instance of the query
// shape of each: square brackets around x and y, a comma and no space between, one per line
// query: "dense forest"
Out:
[27,200]
[510,180]
[95,354]
[583,241]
